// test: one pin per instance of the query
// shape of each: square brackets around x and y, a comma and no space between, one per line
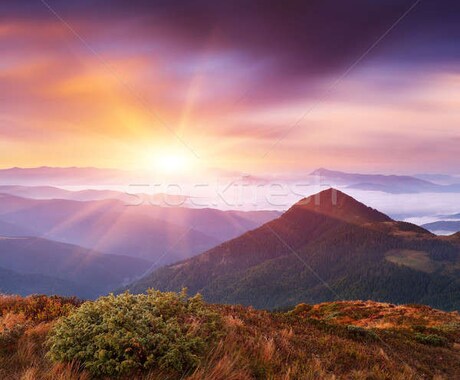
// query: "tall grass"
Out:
[306,344]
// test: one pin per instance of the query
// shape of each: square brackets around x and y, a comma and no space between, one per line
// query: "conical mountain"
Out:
[338,205]
[328,246]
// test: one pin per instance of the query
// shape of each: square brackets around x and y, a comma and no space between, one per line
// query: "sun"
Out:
[171,163]
[167,162]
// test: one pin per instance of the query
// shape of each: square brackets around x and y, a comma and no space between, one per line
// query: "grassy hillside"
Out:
[340,340]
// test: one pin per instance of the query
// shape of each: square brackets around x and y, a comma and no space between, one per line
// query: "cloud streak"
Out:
[221,74]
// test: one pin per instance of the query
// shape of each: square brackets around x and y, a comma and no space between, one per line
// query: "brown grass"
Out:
[370,314]
[307,343]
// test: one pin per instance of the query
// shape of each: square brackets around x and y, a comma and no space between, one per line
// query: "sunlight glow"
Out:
[169,162]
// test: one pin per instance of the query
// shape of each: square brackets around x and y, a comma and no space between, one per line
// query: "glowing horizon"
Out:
[214,87]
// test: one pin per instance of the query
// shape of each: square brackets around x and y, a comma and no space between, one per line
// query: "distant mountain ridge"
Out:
[446,226]
[451,216]
[336,248]
[88,273]
[89,248]
[25,284]
[160,234]
[51,192]
[46,175]
[395,184]
[64,176]
[10,229]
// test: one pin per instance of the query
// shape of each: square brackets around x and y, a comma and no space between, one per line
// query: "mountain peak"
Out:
[336,204]
[322,171]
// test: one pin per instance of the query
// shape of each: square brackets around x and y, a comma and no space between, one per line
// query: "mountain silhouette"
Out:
[326,247]
[393,184]
[161,234]
[337,205]
[64,266]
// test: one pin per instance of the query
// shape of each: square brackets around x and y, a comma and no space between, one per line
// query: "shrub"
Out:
[122,334]
[431,339]
[38,308]
[301,308]
[41,308]
[360,332]
[13,326]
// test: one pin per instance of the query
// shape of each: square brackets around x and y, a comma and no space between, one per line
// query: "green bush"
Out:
[431,339]
[123,334]
[360,332]
[301,308]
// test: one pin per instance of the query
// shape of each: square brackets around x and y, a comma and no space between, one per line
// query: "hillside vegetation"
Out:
[328,238]
[170,336]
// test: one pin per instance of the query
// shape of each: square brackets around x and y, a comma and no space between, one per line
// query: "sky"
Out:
[251,86]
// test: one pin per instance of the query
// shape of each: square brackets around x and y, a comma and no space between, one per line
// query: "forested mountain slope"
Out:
[326,247]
